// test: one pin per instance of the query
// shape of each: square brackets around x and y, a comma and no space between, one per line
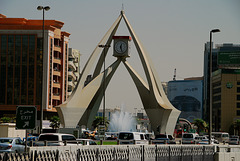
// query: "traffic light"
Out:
[185,127]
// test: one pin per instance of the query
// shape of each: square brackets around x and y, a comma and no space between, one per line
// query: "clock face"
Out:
[120,47]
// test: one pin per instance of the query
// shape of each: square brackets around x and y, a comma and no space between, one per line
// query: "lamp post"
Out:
[42,8]
[210,81]
[104,77]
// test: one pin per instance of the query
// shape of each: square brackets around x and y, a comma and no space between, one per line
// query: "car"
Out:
[234,136]
[131,138]
[189,138]
[213,140]
[201,140]
[164,139]
[11,145]
[233,141]
[86,141]
[56,139]
[222,137]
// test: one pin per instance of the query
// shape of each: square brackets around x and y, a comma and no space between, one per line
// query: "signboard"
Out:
[228,58]
[186,96]
[26,117]
[101,131]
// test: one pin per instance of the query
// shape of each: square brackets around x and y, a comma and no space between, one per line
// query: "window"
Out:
[238,112]
[68,137]
[238,89]
[238,104]
[238,97]
[217,98]
[48,138]
[238,83]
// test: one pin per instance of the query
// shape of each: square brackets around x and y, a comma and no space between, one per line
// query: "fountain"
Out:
[122,121]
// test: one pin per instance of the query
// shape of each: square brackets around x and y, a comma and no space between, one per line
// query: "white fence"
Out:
[228,153]
[117,153]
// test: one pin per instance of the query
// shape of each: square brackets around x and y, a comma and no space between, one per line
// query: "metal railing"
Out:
[116,153]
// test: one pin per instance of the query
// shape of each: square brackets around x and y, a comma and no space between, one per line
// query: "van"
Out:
[164,139]
[189,138]
[222,137]
[56,139]
[132,138]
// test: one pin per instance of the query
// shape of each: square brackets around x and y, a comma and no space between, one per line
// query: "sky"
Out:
[173,32]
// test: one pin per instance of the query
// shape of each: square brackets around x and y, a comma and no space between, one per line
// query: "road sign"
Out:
[26,117]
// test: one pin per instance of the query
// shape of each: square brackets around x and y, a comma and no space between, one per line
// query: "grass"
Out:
[107,142]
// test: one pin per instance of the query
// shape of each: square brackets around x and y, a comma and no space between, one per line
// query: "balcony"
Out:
[57,48]
[71,84]
[57,73]
[56,85]
[72,65]
[69,93]
[72,75]
[57,61]
[56,96]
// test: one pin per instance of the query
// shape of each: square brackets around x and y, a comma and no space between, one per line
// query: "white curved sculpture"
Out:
[83,104]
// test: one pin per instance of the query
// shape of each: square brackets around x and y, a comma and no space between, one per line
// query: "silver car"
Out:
[11,145]
[233,141]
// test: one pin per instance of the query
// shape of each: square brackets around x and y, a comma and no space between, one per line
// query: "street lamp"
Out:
[210,81]
[41,108]
[104,77]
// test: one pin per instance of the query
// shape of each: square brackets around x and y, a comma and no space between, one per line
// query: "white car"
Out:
[189,138]
[56,139]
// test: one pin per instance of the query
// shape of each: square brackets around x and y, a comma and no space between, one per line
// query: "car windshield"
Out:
[9,141]
[68,137]
[161,136]
[233,139]
[126,136]
[48,138]
[225,135]
[188,136]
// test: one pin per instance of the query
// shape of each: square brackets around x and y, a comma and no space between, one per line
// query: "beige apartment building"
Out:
[226,98]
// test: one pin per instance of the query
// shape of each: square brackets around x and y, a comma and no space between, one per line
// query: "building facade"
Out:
[222,56]
[225,57]
[187,96]
[73,69]
[226,98]
[29,75]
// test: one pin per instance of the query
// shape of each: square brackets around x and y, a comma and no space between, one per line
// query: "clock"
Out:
[121,47]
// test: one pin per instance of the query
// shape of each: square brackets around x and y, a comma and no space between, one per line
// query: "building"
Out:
[165,87]
[29,75]
[73,69]
[187,96]
[226,98]
[225,56]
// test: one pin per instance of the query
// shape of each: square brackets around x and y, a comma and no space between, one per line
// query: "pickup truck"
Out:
[56,139]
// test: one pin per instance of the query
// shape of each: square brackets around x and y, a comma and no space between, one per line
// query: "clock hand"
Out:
[121,47]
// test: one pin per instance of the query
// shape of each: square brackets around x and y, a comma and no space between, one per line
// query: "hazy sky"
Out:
[172,31]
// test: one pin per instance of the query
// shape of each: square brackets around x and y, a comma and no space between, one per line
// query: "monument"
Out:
[83,104]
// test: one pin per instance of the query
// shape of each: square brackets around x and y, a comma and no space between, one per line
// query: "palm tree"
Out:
[200,123]
[98,121]
[55,122]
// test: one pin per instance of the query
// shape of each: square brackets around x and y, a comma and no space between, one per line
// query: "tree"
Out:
[55,122]
[201,124]
[98,121]
[5,119]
